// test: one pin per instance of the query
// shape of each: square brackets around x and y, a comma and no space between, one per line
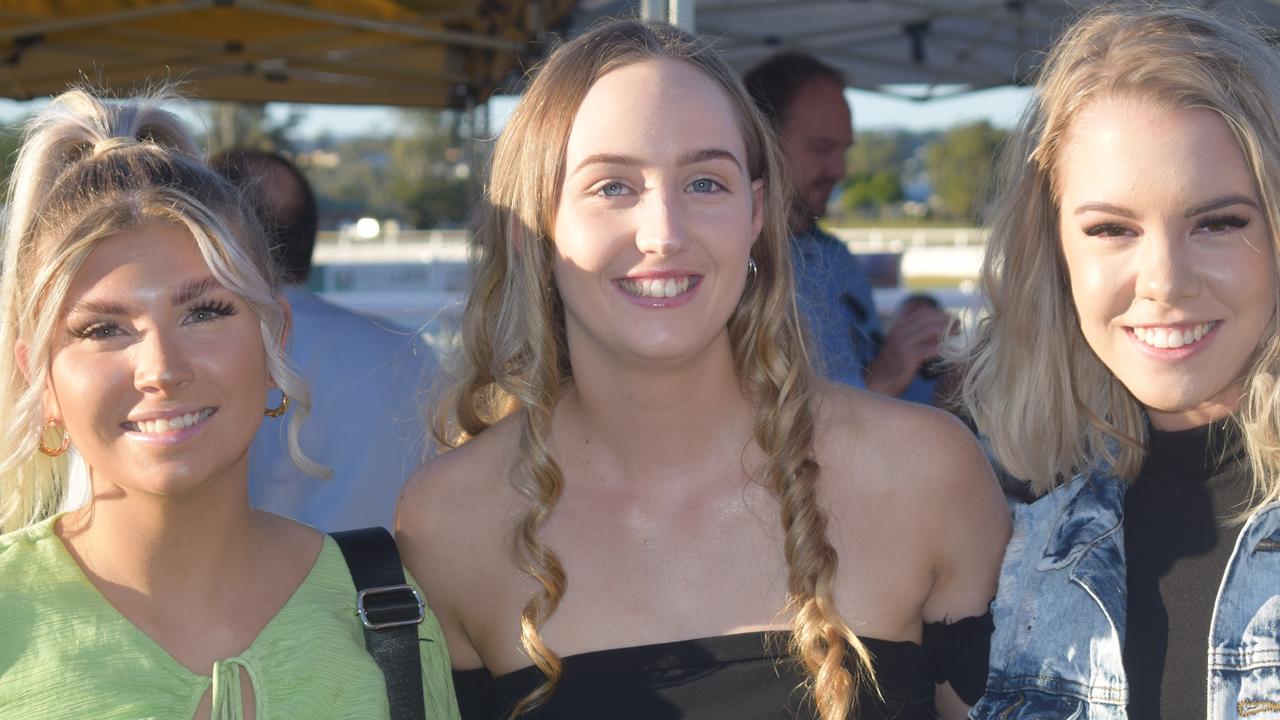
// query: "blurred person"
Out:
[143,326]
[804,101]
[1128,368]
[366,379]
[664,512]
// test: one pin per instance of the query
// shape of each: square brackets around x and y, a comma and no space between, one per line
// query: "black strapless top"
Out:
[748,676]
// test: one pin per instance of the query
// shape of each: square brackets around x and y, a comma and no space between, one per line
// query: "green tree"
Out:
[877,151]
[428,180]
[869,193]
[417,174]
[959,165]
[247,125]
[10,141]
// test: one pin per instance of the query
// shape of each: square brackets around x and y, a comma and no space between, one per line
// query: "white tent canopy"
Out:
[938,47]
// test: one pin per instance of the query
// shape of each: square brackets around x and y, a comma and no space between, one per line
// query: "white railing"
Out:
[418,279]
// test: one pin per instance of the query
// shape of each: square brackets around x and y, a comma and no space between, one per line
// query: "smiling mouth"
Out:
[155,427]
[1172,337]
[659,287]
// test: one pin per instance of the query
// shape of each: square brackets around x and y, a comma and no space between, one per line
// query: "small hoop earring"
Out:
[53,452]
[280,409]
[751,267]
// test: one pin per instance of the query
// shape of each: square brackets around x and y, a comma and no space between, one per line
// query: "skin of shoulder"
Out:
[923,470]
[450,527]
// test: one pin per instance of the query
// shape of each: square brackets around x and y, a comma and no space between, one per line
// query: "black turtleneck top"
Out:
[1179,532]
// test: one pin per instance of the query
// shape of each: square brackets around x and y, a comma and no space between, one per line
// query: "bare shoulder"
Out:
[909,442]
[449,483]
[450,522]
[924,474]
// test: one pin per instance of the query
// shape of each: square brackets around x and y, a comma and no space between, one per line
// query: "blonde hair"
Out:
[1048,405]
[514,356]
[89,168]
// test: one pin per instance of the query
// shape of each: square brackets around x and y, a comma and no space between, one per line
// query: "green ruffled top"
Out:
[65,652]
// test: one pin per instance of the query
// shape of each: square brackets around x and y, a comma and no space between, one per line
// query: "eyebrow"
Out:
[1222,202]
[98,307]
[689,158]
[1104,207]
[1215,204]
[192,289]
[186,292]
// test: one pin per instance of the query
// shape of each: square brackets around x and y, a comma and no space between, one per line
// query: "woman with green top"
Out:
[142,326]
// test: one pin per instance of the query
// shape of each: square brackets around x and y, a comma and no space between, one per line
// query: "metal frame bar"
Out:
[450,37]
[91,21]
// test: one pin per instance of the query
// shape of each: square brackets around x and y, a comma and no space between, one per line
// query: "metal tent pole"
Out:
[676,12]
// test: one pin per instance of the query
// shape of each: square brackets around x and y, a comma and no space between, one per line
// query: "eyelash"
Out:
[1223,222]
[219,308]
[1108,229]
[90,331]
[612,183]
[1227,222]
[716,187]
[94,330]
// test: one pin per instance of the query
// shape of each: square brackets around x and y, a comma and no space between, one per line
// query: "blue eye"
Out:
[705,185]
[97,331]
[205,312]
[613,189]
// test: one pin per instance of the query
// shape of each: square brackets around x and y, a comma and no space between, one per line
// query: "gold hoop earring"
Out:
[53,452]
[280,409]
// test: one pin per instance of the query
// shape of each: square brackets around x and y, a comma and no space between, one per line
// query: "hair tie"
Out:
[114,143]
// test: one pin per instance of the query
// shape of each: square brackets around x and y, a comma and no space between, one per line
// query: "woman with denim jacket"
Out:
[1128,368]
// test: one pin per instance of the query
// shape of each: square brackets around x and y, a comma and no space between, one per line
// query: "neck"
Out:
[182,546]
[657,421]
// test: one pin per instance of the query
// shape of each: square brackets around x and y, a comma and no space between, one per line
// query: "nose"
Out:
[660,228]
[1165,270]
[161,363]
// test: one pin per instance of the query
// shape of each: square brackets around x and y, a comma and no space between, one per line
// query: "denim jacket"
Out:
[1057,651]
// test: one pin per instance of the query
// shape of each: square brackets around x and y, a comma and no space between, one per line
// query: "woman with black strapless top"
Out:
[639,455]
[736,676]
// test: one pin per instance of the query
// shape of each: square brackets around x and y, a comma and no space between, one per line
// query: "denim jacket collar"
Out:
[1093,510]
[1271,541]
[1086,540]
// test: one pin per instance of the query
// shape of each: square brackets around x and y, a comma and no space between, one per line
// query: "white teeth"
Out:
[174,423]
[1170,337]
[657,287]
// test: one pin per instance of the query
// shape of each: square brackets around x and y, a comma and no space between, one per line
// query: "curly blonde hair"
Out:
[514,357]
[1048,405]
[90,168]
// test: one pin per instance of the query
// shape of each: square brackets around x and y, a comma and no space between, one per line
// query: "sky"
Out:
[871,111]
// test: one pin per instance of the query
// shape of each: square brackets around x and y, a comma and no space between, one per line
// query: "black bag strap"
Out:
[390,611]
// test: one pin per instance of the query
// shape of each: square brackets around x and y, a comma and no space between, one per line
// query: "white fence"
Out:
[419,279]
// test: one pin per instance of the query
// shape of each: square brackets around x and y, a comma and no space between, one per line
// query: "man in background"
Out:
[366,380]
[804,100]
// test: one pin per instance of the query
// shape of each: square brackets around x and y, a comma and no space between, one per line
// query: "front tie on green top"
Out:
[65,652]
